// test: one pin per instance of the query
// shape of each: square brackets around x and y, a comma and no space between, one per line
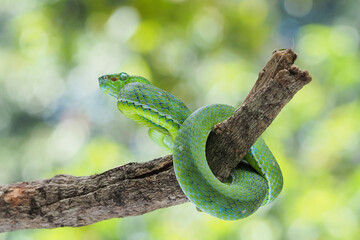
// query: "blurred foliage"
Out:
[54,119]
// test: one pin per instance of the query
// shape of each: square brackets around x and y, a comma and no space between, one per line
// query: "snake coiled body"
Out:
[173,126]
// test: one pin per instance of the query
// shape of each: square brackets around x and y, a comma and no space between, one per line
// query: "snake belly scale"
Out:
[172,125]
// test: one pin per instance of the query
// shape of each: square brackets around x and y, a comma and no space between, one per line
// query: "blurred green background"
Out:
[54,119]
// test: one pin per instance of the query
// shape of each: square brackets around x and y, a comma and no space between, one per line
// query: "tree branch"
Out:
[138,188]
[231,139]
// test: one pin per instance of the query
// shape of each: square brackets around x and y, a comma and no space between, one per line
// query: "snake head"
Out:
[113,83]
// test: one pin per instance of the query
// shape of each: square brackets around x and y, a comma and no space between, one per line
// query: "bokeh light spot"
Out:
[298,8]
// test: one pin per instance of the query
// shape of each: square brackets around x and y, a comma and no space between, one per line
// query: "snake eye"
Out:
[123,76]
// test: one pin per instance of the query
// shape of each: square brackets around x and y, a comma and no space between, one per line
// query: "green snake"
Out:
[173,127]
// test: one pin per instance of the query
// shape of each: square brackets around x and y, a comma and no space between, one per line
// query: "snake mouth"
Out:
[108,87]
[104,89]
[103,85]
[101,80]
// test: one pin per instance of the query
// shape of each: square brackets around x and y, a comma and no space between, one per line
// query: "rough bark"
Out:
[65,200]
[231,140]
[138,188]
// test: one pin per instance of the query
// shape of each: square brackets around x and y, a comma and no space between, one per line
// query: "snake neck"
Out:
[153,108]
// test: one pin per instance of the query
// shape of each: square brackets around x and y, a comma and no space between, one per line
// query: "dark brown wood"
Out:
[65,200]
[138,188]
[231,140]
